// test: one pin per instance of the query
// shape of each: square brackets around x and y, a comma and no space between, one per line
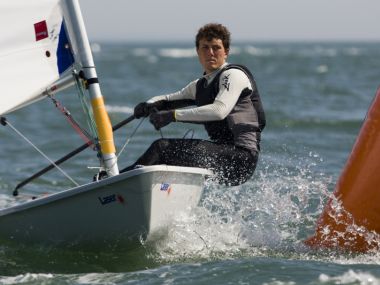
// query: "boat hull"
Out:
[123,209]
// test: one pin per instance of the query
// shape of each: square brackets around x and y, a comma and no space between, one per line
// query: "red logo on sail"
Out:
[41,30]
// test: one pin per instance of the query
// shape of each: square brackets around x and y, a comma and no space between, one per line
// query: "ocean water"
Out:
[316,96]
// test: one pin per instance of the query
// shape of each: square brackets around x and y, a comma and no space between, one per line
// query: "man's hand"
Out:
[162,118]
[144,109]
[141,110]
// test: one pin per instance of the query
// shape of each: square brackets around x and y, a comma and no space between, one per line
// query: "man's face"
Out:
[211,54]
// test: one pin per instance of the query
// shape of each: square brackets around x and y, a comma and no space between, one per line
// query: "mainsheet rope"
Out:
[130,137]
[136,129]
[162,136]
[128,140]
[134,132]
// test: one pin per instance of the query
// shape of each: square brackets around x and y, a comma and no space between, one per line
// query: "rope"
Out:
[86,107]
[134,132]
[124,146]
[188,132]
[130,137]
[4,121]
[82,132]
[128,140]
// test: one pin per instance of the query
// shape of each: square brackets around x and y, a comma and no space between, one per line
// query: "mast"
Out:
[81,48]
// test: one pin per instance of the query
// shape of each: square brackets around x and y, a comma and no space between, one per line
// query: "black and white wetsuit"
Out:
[228,104]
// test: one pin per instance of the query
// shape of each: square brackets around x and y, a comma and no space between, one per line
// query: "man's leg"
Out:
[232,165]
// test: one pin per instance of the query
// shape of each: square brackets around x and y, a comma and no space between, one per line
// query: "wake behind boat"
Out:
[50,51]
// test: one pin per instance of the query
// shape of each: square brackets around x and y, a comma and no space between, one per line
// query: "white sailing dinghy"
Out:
[49,41]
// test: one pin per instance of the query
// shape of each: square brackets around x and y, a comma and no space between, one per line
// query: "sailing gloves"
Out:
[144,109]
[160,119]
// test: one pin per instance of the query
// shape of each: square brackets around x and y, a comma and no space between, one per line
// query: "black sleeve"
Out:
[169,105]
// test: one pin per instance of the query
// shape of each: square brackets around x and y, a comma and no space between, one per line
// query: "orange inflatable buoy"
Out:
[351,218]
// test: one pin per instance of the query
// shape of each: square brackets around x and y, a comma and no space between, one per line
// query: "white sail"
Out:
[33,50]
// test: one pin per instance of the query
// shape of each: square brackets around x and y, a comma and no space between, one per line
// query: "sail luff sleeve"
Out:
[82,51]
[105,134]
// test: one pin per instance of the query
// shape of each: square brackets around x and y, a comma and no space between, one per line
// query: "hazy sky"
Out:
[128,20]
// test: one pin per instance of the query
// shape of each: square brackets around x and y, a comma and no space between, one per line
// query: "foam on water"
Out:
[178,52]
[272,214]
[98,278]
[254,50]
[274,211]
[119,109]
[28,278]
[350,277]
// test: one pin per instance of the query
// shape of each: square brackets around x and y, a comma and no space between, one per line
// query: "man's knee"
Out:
[160,144]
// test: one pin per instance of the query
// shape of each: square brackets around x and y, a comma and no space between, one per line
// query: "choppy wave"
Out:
[177,52]
[350,277]
[119,109]
[316,96]
[28,278]
[260,50]
[96,47]
[244,271]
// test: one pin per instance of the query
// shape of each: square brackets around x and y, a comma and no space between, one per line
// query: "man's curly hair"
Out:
[214,31]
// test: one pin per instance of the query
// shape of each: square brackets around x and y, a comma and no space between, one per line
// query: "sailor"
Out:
[225,100]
